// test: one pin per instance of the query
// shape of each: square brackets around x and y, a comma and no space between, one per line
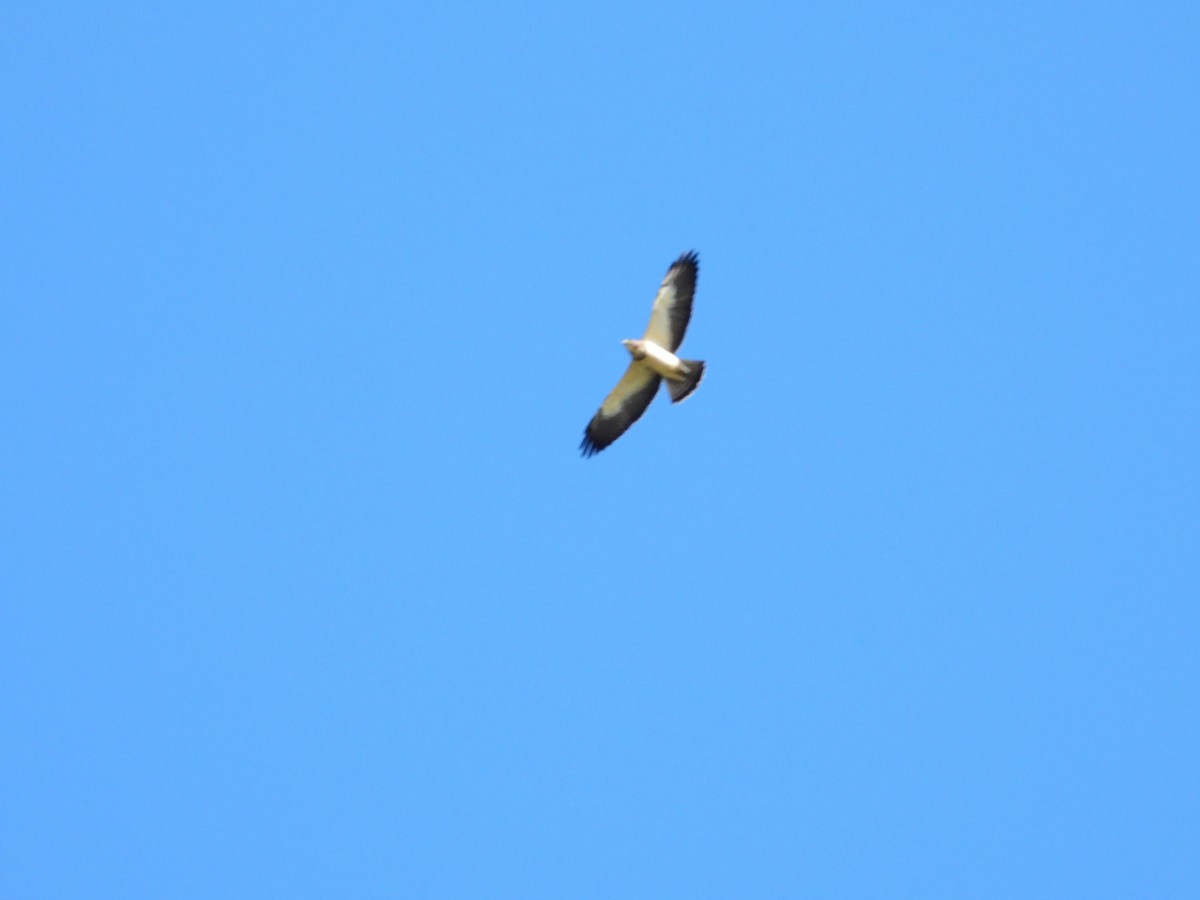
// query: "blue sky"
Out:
[307,592]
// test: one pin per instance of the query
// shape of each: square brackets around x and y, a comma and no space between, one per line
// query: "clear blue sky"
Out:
[306,590]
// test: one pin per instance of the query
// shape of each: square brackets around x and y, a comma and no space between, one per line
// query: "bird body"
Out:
[682,375]
[664,362]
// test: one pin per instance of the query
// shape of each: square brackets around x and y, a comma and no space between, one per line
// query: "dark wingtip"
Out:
[587,447]
[691,258]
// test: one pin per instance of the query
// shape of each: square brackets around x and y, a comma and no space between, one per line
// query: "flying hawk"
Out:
[654,360]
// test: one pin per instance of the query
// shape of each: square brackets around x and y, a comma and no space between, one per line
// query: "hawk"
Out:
[654,360]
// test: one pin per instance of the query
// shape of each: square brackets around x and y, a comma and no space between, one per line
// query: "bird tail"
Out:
[693,371]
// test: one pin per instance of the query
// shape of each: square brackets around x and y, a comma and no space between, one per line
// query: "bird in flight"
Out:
[654,360]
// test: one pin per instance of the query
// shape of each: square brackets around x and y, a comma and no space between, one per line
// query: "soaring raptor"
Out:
[654,360]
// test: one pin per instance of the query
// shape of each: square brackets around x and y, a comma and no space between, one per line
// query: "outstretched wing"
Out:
[673,304]
[621,408]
